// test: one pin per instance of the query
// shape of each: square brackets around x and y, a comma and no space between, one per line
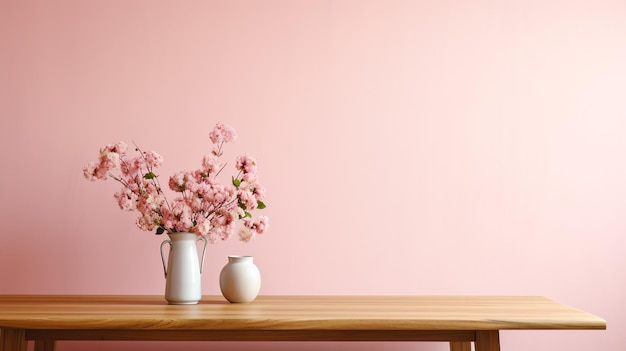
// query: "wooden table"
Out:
[458,320]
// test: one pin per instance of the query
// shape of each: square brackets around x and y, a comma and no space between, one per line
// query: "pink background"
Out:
[407,147]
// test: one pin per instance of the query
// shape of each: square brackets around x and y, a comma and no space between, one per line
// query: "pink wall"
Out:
[408,147]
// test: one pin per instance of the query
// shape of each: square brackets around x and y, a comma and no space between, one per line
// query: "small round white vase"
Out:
[240,279]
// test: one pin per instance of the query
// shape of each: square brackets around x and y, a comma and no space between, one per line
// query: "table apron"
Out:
[252,335]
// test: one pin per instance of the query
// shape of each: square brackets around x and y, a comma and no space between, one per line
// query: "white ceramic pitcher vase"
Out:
[183,272]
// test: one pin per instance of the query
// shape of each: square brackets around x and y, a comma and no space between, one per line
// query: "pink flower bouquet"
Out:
[205,206]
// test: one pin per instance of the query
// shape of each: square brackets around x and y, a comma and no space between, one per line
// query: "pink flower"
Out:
[145,222]
[110,159]
[263,224]
[222,134]
[181,181]
[118,148]
[205,206]
[246,234]
[259,226]
[152,159]
[220,227]
[126,199]
[252,228]
[150,203]
[177,217]
[246,164]
[210,165]
[259,192]
[90,172]
[247,198]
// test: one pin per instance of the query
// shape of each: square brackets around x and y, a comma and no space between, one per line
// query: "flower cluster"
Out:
[205,206]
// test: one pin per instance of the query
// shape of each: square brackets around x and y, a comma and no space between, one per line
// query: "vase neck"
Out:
[239,259]
[183,236]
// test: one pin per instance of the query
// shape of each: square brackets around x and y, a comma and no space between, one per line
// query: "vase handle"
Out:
[162,257]
[203,252]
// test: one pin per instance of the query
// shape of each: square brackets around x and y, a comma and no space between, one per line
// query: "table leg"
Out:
[12,339]
[460,346]
[45,345]
[487,340]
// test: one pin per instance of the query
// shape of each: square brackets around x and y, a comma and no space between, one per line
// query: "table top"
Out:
[151,312]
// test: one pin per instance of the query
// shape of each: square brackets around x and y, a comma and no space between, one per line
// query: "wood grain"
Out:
[12,339]
[460,346]
[487,340]
[378,313]
[459,320]
[45,345]
[252,335]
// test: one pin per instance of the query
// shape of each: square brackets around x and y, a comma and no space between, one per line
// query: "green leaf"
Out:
[160,231]
[149,175]
[260,205]
[248,214]
[236,182]
[241,205]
